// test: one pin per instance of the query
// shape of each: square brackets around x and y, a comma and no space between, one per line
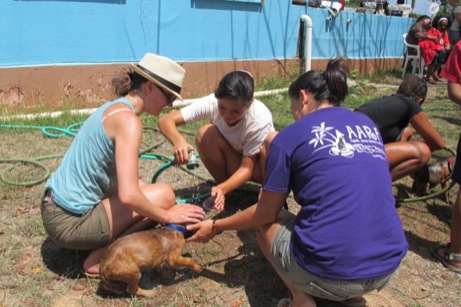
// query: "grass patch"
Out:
[8,253]
[32,226]
[34,271]
[278,104]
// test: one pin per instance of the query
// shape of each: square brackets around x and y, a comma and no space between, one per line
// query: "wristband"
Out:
[214,229]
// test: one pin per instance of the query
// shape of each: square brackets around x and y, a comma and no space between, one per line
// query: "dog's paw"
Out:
[152,293]
[197,268]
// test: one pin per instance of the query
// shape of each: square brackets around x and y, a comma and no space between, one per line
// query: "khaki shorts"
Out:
[69,230]
[334,290]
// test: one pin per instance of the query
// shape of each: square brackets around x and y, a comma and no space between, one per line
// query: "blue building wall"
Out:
[74,32]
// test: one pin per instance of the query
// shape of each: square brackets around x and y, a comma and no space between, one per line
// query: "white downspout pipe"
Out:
[307,41]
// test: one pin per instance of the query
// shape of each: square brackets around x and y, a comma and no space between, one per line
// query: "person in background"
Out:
[392,114]
[442,24]
[380,7]
[449,254]
[454,31]
[433,52]
[95,195]
[344,241]
[418,31]
[231,145]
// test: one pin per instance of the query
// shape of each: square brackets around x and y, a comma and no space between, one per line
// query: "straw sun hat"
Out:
[162,71]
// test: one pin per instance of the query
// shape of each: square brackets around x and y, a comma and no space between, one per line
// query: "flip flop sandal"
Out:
[90,275]
[447,257]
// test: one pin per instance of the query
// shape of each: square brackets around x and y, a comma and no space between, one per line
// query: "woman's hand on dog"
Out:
[185,213]
[203,231]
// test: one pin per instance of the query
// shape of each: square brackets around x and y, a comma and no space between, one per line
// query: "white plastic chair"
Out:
[332,4]
[414,57]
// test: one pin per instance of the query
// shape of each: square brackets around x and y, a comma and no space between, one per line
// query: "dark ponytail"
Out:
[329,85]
[336,78]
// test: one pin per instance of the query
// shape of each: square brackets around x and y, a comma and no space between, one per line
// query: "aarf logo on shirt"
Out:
[362,139]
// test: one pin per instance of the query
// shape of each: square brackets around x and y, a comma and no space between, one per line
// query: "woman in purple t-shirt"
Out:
[347,238]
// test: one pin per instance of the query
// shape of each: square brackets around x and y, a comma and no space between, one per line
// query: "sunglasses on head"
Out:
[169,97]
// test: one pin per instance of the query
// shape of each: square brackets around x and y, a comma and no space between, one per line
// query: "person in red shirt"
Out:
[442,24]
[434,52]
[449,254]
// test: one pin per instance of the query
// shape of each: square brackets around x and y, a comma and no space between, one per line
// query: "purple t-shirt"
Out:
[334,162]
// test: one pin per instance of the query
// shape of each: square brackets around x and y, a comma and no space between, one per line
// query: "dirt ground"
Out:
[36,272]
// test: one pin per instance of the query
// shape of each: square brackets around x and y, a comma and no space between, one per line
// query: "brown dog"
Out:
[432,175]
[125,259]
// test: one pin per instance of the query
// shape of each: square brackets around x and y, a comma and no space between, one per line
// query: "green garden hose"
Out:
[431,195]
[33,161]
[49,130]
[428,196]
[55,132]
[169,162]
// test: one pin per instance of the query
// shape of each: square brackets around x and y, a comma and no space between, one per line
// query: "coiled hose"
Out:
[56,132]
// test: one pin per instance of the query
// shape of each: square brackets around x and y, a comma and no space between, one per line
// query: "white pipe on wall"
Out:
[185,102]
[176,103]
[307,41]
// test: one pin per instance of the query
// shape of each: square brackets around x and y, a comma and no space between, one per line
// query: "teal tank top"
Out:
[87,170]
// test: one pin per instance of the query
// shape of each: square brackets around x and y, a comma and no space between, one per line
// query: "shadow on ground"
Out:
[61,261]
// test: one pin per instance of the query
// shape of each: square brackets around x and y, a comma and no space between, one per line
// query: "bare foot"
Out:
[91,264]
[428,80]
[146,293]
[437,78]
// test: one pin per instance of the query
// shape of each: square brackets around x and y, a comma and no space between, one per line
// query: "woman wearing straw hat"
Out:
[95,195]
[231,145]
